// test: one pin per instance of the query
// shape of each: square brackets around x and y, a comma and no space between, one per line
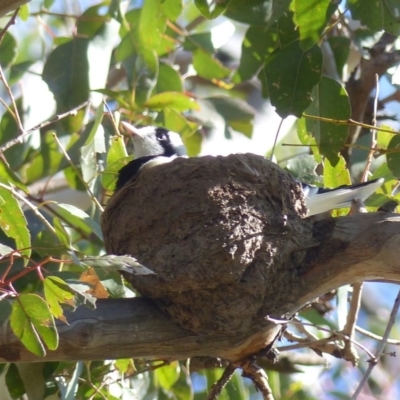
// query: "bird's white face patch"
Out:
[153,141]
[145,143]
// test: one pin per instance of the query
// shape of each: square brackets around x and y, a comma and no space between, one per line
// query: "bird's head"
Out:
[155,141]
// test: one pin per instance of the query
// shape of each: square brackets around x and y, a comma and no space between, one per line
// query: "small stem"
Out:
[92,196]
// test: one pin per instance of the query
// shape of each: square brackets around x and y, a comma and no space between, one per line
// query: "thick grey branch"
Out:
[9,5]
[353,248]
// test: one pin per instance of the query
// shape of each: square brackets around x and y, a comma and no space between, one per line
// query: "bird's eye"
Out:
[161,136]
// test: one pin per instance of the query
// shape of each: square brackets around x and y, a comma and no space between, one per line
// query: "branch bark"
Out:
[352,249]
[9,5]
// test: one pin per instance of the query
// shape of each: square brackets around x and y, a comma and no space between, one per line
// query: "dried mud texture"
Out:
[221,234]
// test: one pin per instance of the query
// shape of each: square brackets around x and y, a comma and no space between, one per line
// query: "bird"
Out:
[152,145]
[155,145]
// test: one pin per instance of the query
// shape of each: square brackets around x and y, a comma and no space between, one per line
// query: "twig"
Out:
[73,166]
[335,333]
[259,377]
[9,23]
[376,337]
[218,386]
[56,118]
[195,23]
[15,114]
[10,94]
[374,142]
[380,347]
[349,122]
[112,119]
[349,328]
[276,139]
[66,15]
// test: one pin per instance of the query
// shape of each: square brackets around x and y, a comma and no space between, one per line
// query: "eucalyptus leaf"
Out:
[116,263]
[291,74]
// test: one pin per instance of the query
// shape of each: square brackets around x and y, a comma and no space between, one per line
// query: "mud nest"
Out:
[219,233]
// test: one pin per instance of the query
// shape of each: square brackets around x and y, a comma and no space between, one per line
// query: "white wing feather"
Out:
[339,198]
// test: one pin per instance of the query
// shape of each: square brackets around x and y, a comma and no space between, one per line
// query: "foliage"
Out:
[132,64]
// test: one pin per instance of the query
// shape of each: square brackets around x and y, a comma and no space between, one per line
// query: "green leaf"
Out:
[167,376]
[123,365]
[5,311]
[199,41]
[256,45]
[316,318]
[207,66]
[311,17]
[303,168]
[174,100]
[394,7]
[329,137]
[8,50]
[15,384]
[13,223]
[237,113]
[71,294]
[193,144]
[123,97]
[307,139]
[110,174]
[338,175]
[7,175]
[9,130]
[385,15]
[94,145]
[61,232]
[45,160]
[66,72]
[116,263]
[168,80]
[57,292]
[142,72]
[172,9]
[17,71]
[23,12]
[211,9]
[78,219]
[152,24]
[117,149]
[89,163]
[341,48]
[384,138]
[393,158]
[286,29]
[45,244]
[32,322]
[291,75]
[253,12]
[74,179]
[91,21]
[175,121]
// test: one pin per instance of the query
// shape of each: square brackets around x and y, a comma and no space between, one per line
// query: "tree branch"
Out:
[352,249]
[9,5]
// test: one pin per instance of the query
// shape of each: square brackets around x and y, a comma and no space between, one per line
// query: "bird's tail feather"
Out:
[328,199]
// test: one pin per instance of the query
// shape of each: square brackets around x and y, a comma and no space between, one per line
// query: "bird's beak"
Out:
[130,129]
